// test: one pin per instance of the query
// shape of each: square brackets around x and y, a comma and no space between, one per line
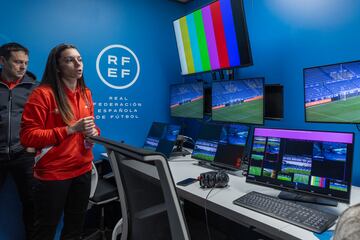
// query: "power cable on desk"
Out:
[206,217]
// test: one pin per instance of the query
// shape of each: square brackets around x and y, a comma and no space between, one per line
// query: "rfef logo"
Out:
[117,66]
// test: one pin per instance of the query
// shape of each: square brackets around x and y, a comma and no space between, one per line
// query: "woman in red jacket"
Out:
[56,121]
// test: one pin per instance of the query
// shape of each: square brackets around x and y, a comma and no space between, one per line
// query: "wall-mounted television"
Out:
[238,101]
[187,100]
[274,101]
[332,93]
[318,163]
[213,37]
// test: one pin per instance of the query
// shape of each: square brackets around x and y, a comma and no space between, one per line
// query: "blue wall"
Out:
[143,26]
[287,36]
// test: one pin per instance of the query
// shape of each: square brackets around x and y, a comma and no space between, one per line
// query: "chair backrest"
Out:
[147,193]
[94,180]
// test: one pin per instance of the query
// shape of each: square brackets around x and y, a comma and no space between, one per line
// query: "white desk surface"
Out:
[220,201]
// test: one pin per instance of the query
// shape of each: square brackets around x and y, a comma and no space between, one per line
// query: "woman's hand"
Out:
[90,132]
[85,125]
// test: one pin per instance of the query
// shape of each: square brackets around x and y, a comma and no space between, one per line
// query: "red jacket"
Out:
[59,156]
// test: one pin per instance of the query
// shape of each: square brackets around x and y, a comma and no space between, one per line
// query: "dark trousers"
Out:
[52,198]
[20,167]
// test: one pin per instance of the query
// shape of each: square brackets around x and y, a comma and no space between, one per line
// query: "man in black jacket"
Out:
[16,84]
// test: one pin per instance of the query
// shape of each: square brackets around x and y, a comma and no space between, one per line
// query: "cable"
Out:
[206,217]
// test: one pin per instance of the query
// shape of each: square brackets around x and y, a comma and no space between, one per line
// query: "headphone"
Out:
[217,179]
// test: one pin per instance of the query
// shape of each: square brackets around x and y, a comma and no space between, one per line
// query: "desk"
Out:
[220,201]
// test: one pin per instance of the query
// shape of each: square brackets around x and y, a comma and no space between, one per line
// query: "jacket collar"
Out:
[29,77]
[71,93]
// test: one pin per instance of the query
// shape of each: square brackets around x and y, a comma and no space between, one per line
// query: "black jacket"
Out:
[11,107]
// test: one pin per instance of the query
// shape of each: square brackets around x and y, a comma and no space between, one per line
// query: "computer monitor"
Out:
[161,137]
[274,101]
[187,100]
[318,163]
[213,37]
[207,142]
[238,101]
[231,148]
[332,93]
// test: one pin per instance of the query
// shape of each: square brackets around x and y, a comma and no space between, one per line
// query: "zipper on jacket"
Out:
[9,120]
[10,110]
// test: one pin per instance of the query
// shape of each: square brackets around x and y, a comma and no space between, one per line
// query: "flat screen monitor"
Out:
[161,137]
[213,37]
[332,93]
[187,100]
[232,145]
[238,101]
[313,162]
[207,142]
[274,101]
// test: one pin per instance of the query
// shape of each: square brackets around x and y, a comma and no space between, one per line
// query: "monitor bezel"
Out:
[263,100]
[293,190]
[188,83]
[244,26]
[305,114]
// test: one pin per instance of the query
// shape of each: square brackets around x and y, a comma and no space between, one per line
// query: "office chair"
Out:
[102,191]
[149,203]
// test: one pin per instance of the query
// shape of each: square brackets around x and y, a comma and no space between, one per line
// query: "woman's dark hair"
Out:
[52,77]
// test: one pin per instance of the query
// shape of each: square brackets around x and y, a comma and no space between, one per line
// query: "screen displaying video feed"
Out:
[187,100]
[312,162]
[232,145]
[207,142]
[332,93]
[162,137]
[238,101]
[213,37]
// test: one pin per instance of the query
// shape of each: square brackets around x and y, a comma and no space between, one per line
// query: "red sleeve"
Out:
[33,132]
[89,96]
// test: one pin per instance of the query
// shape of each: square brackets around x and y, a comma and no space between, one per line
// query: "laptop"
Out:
[162,137]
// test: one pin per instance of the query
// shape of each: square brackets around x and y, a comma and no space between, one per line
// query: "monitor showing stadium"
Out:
[213,37]
[332,93]
[239,101]
[231,147]
[313,162]
[207,142]
[187,100]
[161,138]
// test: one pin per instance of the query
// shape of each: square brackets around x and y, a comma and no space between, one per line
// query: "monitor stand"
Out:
[224,167]
[306,198]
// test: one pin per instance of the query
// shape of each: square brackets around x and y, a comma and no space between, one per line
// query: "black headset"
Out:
[217,179]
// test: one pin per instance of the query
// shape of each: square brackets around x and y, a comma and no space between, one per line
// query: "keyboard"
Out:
[299,215]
